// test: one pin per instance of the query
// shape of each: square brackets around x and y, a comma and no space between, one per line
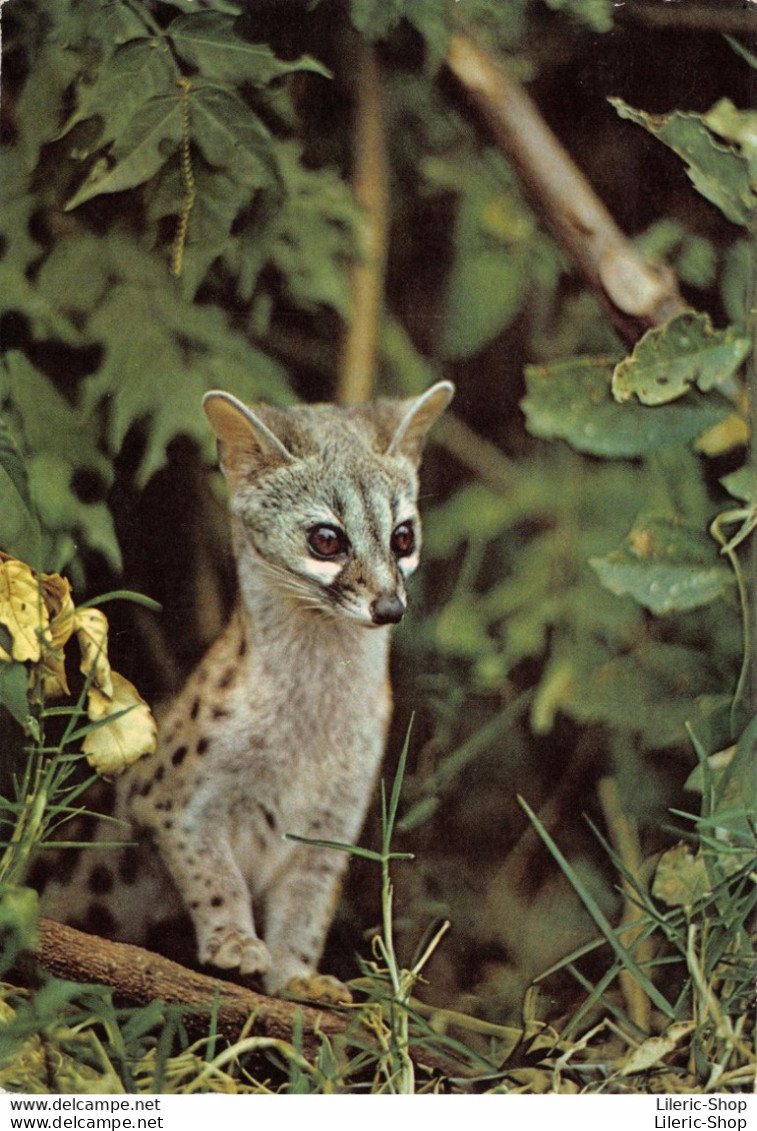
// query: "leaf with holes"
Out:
[665,566]
[571,400]
[668,360]
[22,610]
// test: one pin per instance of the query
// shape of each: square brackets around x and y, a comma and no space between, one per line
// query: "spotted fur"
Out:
[281,728]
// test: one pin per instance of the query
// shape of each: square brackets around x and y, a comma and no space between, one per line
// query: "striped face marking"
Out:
[361,549]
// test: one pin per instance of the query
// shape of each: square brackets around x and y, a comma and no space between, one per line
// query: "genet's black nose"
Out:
[387,610]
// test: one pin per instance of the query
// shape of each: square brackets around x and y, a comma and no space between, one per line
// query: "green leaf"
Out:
[60,509]
[376,18]
[230,135]
[476,514]
[13,685]
[314,233]
[210,41]
[18,206]
[669,359]
[158,376]
[218,201]
[739,127]
[136,72]
[59,441]
[48,421]
[151,136]
[649,691]
[665,566]
[742,484]
[19,526]
[736,789]
[40,106]
[572,401]
[719,172]
[488,281]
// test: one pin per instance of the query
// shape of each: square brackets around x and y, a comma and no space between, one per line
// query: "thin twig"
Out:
[637,294]
[357,368]
[625,841]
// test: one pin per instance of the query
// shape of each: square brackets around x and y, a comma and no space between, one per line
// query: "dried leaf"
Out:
[114,746]
[22,610]
[92,632]
[655,1049]
[60,607]
[681,878]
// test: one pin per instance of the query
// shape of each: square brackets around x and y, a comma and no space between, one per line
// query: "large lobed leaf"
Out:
[153,132]
[56,441]
[158,375]
[211,42]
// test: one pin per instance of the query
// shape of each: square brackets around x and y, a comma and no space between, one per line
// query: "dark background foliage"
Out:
[533,663]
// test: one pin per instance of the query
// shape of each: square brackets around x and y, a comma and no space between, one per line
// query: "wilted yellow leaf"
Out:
[22,610]
[681,877]
[60,607]
[113,747]
[92,633]
[653,1051]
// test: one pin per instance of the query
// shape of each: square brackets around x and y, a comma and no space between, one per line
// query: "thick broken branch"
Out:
[638,294]
[138,977]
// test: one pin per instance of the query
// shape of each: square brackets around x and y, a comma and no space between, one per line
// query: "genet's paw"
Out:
[236,950]
[318,988]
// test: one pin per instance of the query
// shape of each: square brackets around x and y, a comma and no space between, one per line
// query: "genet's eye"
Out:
[403,540]
[327,542]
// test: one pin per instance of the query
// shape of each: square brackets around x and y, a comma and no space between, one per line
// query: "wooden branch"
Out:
[692,17]
[138,977]
[357,369]
[625,840]
[638,294]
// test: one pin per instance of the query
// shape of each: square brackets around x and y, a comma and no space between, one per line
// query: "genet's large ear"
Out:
[246,444]
[421,413]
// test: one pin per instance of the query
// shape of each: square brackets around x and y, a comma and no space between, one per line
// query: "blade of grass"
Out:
[598,915]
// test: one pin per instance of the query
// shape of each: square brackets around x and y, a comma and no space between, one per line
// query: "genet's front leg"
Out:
[299,909]
[217,898]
